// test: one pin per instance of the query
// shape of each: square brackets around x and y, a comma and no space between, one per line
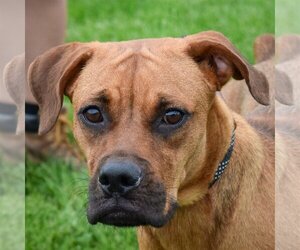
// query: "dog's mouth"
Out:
[113,215]
[123,213]
[145,205]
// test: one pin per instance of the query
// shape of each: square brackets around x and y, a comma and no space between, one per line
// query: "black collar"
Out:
[224,163]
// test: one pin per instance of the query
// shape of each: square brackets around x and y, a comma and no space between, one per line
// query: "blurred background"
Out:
[55,189]
[12,165]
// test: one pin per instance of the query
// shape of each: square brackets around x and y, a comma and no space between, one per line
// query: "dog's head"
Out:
[140,114]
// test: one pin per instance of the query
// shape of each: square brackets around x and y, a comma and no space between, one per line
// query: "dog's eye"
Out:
[173,117]
[169,121]
[93,115]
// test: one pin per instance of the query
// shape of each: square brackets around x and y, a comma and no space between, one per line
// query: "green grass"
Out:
[287,17]
[12,205]
[55,212]
[56,191]
[118,20]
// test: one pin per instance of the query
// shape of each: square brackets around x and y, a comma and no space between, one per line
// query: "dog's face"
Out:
[137,108]
[140,115]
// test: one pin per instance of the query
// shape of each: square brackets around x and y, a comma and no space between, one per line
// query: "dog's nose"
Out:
[119,177]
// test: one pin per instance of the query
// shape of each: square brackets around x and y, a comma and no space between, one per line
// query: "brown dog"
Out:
[153,130]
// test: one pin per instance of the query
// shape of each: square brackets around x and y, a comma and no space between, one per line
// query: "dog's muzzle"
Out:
[124,192]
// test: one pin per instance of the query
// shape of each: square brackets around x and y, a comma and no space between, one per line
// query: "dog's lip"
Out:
[111,211]
[125,213]
[117,209]
[119,218]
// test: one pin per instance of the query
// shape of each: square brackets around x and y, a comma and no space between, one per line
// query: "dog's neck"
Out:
[205,211]
[212,149]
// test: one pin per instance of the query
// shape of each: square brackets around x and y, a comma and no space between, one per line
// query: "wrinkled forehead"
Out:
[147,70]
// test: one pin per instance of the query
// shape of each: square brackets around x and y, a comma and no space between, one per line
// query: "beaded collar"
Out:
[224,163]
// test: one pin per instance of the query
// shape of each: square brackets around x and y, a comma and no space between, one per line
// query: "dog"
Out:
[164,152]
[288,146]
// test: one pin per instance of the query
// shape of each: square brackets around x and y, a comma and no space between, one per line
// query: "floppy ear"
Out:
[287,47]
[283,88]
[14,78]
[226,62]
[264,47]
[49,75]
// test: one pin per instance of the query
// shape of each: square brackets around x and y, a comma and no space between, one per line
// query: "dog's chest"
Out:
[190,228]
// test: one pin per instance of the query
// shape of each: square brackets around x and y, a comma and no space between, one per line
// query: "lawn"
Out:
[55,190]
[12,205]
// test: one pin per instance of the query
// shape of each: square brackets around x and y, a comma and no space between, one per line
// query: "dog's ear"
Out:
[283,88]
[264,47]
[226,62]
[287,47]
[49,75]
[14,79]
